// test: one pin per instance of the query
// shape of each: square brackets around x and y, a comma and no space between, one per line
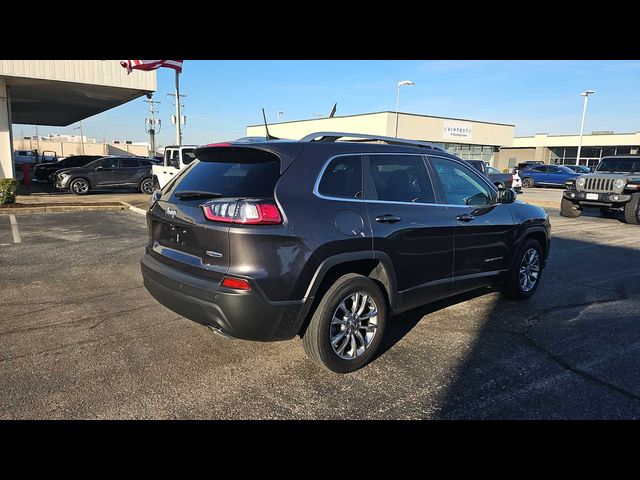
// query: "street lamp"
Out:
[585,94]
[278,116]
[400,84]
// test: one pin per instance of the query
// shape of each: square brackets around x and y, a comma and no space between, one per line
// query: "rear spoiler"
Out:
[286,152]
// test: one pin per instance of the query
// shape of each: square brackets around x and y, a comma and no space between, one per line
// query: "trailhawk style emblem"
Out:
[171,212]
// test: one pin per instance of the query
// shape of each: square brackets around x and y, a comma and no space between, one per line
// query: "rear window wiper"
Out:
[197,194]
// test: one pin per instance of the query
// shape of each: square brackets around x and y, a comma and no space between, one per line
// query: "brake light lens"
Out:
[243,212]
[236,283]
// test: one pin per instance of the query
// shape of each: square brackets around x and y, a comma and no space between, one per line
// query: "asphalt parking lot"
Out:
[81,338]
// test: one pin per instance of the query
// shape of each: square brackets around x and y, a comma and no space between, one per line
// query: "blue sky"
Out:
[226,96]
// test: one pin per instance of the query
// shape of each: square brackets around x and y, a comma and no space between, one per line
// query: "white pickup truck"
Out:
[175,159]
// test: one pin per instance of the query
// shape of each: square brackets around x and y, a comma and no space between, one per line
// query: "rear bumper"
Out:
[595,199]
[237,314]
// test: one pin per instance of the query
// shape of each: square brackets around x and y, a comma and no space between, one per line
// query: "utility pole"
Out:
[151,123]
[37,140]
[177,104]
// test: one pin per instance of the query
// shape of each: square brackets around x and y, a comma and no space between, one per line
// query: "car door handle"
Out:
[465,217]
[388,218]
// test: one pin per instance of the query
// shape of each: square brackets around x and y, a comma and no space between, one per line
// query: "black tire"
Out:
[316,339]
[527,182]
[512,287]
[632,210]
[569,209]
[146,186]
[80,186]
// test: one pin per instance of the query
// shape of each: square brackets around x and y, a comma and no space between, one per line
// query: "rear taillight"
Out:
[242,211]
[236,283]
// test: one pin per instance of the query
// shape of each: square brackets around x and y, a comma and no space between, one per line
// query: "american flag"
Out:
[151,65]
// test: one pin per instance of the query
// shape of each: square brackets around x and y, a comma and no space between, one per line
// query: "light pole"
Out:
[81,137]
[400,84]
[278,116]
[585,94]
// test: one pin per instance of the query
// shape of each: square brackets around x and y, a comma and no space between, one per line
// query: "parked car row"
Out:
[499,179]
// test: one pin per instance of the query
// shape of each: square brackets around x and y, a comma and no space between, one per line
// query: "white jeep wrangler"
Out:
[175,159]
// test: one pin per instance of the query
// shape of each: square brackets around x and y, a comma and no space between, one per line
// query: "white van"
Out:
[175,159]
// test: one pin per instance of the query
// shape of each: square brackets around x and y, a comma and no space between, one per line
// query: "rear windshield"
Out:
[625,165]
[248,173]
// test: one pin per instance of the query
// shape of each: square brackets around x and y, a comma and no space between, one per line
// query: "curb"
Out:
[137,210]
[58,208]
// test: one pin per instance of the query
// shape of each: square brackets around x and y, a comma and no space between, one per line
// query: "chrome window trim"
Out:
[424,156]
[317,193]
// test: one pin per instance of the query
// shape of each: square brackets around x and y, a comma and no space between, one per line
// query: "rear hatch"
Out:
[180,234]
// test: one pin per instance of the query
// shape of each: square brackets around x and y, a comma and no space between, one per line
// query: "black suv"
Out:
[46,171]
[325,239]
[107,172]
[613,187]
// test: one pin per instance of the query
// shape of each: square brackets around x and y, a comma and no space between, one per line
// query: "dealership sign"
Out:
[457,130]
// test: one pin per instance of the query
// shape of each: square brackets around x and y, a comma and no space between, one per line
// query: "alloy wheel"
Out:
[80,186]
[353,325]
[529,269]
[147,186]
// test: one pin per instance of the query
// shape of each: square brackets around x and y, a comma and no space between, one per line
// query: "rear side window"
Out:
[342,178]
[401,178]
[128,163]
[244,172]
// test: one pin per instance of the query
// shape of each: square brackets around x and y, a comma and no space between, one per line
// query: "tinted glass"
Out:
[626,165]
[562,169]
[146,163]
[493,170]
[105,163]
[75,162]
[342,178]
[251,173]
[128,163]
[401,178]
[188,156]
[460,185]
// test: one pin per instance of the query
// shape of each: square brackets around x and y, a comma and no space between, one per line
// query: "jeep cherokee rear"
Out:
[324,239]
[613,187]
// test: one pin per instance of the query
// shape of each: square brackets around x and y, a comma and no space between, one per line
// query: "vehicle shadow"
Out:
[568,352]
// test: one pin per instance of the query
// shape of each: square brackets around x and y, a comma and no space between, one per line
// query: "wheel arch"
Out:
[537,233]
[374,265]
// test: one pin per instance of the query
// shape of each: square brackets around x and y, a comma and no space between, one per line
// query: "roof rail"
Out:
[334,136]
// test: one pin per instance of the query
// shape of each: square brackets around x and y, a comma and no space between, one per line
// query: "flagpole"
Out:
[178,118]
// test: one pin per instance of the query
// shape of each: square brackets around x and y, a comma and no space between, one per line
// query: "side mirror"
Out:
[506,195]
[175,163]
[99,168]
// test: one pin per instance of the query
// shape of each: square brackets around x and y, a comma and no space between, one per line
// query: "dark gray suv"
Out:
[107,173]
[325,239]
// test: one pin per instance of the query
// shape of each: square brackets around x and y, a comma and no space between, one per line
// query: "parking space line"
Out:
[14,229]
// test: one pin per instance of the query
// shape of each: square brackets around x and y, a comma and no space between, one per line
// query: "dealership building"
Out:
[468,139]
[563,149]
[59,93]
[492,142]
